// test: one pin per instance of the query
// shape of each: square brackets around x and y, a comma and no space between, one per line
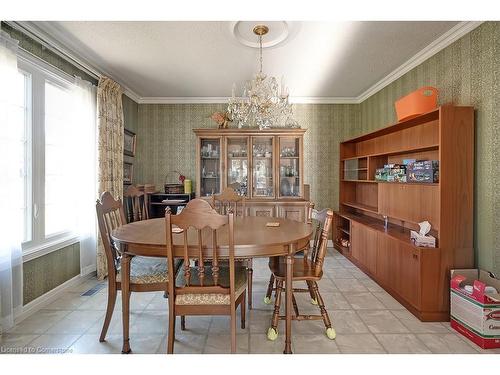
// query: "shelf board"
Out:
[210,177]
[395,231]
[289,157]
[209,158]
[344,230]
[343,248]
[361,206]
[263,157]
[408,183]
[355,169]
[238,157]
[369,181]
[397,152]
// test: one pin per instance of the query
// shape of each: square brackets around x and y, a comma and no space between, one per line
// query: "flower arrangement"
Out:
[221,119]
[181,177]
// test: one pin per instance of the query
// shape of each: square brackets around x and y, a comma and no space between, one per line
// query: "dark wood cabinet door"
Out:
[364,246]
[356,241]
[387,260]
[409,274]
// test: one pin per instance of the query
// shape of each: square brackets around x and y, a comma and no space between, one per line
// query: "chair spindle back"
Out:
[136,204]
[110,216]
[227,201]
[199,216]
[322,221]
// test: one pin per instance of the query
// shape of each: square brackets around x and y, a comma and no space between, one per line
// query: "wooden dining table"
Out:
[253,239]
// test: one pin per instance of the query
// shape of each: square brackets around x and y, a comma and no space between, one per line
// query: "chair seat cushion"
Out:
[240,282]
[148,270]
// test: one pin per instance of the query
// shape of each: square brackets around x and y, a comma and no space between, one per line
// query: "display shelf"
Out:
[361,206]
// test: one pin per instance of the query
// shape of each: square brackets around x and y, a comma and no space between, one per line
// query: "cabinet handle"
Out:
[415,256]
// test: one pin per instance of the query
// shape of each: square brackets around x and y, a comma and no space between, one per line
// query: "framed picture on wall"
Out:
[129,143]
[128,173]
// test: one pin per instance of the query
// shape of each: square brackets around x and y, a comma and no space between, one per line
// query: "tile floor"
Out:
[366,318]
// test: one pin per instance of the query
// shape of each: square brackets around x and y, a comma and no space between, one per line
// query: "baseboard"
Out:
[88,270]
[49,297]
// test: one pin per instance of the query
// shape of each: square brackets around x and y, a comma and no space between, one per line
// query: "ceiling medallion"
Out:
[264,103]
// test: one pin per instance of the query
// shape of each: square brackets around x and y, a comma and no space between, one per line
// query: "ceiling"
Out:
[203,59]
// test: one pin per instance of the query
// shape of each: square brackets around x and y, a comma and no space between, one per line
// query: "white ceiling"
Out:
[203,59]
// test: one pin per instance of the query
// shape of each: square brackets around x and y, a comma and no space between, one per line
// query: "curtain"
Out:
[84,116]
[12,185]
[110,149]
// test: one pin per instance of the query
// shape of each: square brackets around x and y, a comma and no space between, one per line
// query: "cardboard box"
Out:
[423,171]
[476,315]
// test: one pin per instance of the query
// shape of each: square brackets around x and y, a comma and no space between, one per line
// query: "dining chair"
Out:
[147,274]
[227,201]
[305,251]
[136,204]
[310,270]
[210,287]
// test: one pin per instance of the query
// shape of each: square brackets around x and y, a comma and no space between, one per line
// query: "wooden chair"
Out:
[305,251]
[223,203]
[147,274]
[310,270]
[211,287]
[136,204]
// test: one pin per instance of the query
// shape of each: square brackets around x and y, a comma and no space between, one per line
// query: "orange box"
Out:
[418,102]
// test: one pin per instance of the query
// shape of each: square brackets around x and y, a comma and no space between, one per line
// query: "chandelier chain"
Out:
[260,50]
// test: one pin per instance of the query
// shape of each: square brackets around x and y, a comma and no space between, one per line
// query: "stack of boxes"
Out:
[411,170]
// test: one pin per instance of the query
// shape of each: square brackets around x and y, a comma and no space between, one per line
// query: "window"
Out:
[44,105]
[58,145]
[21,130]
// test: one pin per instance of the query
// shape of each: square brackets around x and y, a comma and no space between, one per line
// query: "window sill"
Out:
[37,251]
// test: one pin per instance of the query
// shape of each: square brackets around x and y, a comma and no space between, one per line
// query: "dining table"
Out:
[254,237]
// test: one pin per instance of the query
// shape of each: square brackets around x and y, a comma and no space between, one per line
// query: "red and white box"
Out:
[475,312]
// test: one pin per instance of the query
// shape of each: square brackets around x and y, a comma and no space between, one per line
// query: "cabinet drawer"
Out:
[296,213]
[264,210]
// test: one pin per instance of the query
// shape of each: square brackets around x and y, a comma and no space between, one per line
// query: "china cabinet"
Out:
[265,166]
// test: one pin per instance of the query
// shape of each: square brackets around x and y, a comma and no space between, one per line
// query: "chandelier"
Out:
[264,102]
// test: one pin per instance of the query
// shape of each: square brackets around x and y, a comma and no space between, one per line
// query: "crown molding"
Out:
[224,100]
[439,44]
[46,35]
[43,35]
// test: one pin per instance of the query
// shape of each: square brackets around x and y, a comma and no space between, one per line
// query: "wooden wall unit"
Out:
[417,277]
[266,166]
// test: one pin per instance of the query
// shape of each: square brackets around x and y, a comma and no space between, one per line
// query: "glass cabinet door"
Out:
[289,171]
[210,151]
[237,164]
[262,167]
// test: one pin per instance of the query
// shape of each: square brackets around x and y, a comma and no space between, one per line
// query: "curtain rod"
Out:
[57,50]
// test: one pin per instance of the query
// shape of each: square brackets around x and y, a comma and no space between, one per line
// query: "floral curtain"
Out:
[110,149]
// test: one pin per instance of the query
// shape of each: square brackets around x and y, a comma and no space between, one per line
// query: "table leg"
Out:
[288,299]
[125,284]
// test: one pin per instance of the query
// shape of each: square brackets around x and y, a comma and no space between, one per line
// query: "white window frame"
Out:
[40,72]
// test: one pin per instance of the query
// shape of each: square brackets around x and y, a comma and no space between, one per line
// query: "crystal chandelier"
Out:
[264,103]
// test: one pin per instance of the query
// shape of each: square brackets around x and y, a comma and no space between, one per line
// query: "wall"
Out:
[43,274]
[466,73]
[166,142]
[130,120]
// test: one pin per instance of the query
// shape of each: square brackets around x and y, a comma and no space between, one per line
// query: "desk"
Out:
[252,239]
